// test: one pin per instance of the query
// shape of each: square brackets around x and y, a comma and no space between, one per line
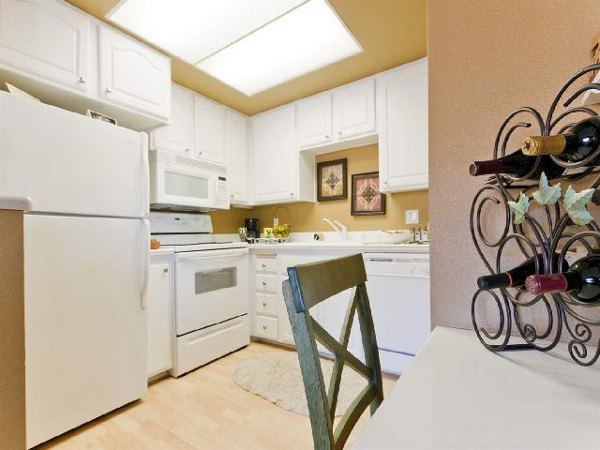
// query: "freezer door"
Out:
[69,163]
[85,324]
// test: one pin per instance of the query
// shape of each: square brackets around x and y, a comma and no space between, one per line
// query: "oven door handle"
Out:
[210,254]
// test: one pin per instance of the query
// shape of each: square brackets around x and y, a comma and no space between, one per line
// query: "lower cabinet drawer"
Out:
[268,283]
[266,327]
[267,304]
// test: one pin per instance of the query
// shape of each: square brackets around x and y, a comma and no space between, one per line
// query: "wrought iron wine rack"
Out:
[549,233]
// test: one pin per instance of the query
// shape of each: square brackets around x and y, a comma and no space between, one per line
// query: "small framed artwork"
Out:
[367,200]
[331,180]
[100,116]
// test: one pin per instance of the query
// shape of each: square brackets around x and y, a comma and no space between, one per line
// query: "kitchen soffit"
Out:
[392,32]
[249,45]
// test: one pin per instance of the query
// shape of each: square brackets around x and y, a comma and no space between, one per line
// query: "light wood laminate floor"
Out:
[204,409]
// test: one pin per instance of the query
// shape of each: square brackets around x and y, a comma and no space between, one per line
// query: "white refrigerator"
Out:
[86,261]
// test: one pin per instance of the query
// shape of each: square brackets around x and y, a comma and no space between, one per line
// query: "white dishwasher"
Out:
[398,288]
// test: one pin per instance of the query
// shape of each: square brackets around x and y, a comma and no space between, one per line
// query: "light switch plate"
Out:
[412,216]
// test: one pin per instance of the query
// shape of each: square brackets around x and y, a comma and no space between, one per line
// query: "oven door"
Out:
[182,185]
[211,287]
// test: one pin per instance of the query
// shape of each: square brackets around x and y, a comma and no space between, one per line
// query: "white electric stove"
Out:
[211,289]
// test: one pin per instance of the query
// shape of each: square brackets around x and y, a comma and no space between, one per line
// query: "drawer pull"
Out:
[266,254]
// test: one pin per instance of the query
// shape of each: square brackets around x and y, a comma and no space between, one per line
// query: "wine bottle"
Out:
[516,164]
[516,276]
[581,281]
[580,141]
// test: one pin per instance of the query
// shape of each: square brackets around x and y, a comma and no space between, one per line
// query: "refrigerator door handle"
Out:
[146,179]
[146,262]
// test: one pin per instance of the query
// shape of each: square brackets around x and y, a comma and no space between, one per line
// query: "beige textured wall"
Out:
[486,58]
[309,216]
[12,336]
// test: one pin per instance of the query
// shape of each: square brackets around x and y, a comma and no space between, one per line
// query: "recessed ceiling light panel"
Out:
[251,45]
[195,29]
[308,38]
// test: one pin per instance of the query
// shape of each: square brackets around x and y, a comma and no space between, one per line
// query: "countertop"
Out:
[162,251]
[458,395]
[15,203]
[344,245]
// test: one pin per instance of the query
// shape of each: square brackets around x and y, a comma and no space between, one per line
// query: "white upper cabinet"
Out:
[354,109]
[46,39]
[209,130]
[402,112]
[132,74]
[178,137]
[238,158]
[275,156]
[314,123]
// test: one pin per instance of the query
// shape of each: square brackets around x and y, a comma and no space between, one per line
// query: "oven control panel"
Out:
[171,222]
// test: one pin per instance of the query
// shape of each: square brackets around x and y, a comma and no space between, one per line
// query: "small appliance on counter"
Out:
[252,229]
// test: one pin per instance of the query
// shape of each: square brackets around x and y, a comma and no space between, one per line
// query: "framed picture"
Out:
[331,180]
[100,116]
[367,200]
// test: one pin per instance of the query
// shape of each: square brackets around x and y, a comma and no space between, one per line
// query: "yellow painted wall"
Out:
[309,216]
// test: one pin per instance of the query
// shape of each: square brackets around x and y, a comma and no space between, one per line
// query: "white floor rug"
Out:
[276,377]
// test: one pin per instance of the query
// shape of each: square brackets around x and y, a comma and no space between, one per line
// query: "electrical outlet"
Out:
[412,216]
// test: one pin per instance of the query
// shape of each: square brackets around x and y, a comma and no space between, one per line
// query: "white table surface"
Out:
[458,395]
[15,203]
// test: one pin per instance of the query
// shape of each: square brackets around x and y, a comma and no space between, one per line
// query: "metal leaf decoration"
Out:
[546,194]
[575,205]
[519,208]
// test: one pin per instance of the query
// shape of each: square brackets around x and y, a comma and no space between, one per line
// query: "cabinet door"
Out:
[237,158]
[275,156]
[314,120]
[46,38]
[403,128]
[133,75]
[160,316]
[209,130]
[354,109]
[178,136]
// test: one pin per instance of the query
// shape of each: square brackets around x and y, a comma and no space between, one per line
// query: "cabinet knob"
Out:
[82,80]
[187,150]
[264,327]
[264,283]
[264,304]
[291,194]
[199,153]
[326,136]
[166,270]
[232,195]
[339,133]
[385,183]
[108,90]
[264,266]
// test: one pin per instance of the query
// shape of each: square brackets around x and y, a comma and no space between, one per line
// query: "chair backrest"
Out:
[309,285]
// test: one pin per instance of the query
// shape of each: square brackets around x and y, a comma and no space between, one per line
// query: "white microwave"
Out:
[181,183]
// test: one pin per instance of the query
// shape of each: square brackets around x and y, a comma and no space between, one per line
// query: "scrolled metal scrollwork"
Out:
[550,233]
